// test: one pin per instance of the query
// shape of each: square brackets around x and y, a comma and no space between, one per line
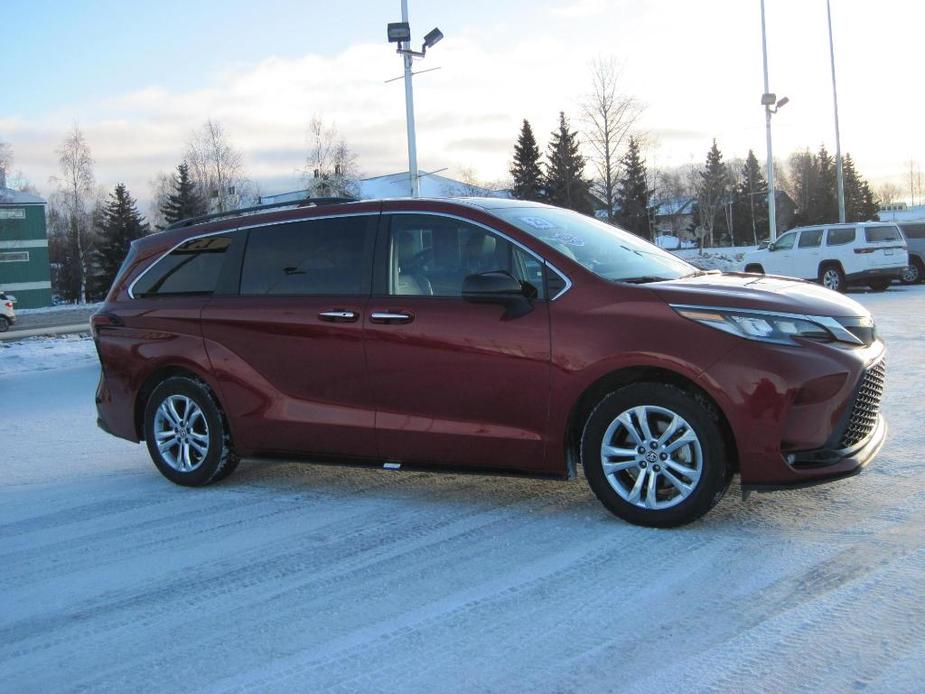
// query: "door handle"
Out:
[391,317]
[339,316]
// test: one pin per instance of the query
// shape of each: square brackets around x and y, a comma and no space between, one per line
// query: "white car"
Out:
[7,314]
[836,255]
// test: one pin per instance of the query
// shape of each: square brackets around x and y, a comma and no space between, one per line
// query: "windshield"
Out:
[603,249]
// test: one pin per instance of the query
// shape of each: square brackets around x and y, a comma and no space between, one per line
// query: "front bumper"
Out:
[848,464]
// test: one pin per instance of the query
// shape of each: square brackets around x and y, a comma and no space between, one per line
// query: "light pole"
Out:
[771,105]
[400,33]
[839,172]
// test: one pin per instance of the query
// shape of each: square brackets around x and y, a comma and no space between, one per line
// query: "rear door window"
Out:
[882,234]
[310,258]
[811,239]
[191,268]
[840,237]
[914,231]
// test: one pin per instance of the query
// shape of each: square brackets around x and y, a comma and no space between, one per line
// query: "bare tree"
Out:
[889,193]
[609,116]
[471,186]
[330,167]
[217,168]
[672,202]
[161,186]
[76,196]
[6,162]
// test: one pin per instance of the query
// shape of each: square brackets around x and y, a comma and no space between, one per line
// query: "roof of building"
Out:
[8,196]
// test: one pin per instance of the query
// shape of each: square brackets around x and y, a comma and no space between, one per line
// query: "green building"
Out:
[24,248]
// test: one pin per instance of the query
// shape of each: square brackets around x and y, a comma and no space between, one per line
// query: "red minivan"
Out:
[482,335]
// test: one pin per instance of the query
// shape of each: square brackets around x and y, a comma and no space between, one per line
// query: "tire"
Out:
[880,285]
[183,416]
[754,268]
[832,277]
[661,504]
[4,324]
[913,273]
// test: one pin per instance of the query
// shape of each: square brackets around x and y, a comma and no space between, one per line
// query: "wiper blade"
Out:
[643,279]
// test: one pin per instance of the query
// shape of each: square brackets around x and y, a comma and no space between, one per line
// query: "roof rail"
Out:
[307,202]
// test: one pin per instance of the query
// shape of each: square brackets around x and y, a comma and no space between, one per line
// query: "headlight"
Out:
[763,326]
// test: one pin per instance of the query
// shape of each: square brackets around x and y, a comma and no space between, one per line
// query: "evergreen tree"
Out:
[860,202]
[185,201]
[566,185]
[118,225]
[633,193]
[750,203]
[712,192]
[526,171]
[825,198]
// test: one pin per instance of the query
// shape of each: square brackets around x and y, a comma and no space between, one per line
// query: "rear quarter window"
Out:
[839,237]
[191,268]
[881,234]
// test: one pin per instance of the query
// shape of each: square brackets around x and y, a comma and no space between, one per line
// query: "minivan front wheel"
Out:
[654,455]
[186,435]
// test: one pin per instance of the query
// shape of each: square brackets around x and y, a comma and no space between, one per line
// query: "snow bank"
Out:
[43,353]
[727,259]
[59,308]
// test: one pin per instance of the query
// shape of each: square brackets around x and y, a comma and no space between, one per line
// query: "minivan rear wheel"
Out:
[654,455]
[186,434]
[880,285]
[4,324]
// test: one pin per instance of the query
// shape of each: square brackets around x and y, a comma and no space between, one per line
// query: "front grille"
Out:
[866,406]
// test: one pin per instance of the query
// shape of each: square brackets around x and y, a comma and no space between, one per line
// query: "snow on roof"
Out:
[909,214]
[8,196]
[397,185]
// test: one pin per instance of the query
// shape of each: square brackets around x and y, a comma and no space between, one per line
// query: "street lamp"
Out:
[771,106]
[400,33]
[839,171]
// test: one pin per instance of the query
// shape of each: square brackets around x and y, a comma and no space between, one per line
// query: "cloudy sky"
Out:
[138,76]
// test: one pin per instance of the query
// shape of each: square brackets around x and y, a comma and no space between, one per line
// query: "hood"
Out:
[737,290]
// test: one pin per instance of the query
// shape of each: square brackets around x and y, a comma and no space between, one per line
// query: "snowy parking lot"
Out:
[295,577]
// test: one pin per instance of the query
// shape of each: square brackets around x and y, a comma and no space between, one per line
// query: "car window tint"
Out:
[313,257]
[839,237]
[811,239]
[785,242]
[880,234]
[914,231]
[191,268]
[431,256]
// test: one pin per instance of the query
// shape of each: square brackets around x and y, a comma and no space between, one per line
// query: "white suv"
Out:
[7,314]
[837,255]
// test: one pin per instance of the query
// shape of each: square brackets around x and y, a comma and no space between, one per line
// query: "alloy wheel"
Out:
[831,279]
[652,457]
[181,433]
[911,274]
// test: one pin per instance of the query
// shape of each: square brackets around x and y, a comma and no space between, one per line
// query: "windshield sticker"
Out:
[568,239]
[538,222]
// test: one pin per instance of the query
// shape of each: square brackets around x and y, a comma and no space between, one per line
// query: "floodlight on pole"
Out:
[400,33]
[771,105]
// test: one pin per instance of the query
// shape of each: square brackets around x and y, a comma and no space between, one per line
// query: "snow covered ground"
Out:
[293,577]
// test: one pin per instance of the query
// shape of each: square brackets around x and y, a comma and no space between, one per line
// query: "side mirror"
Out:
[496,287]
[764,244]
